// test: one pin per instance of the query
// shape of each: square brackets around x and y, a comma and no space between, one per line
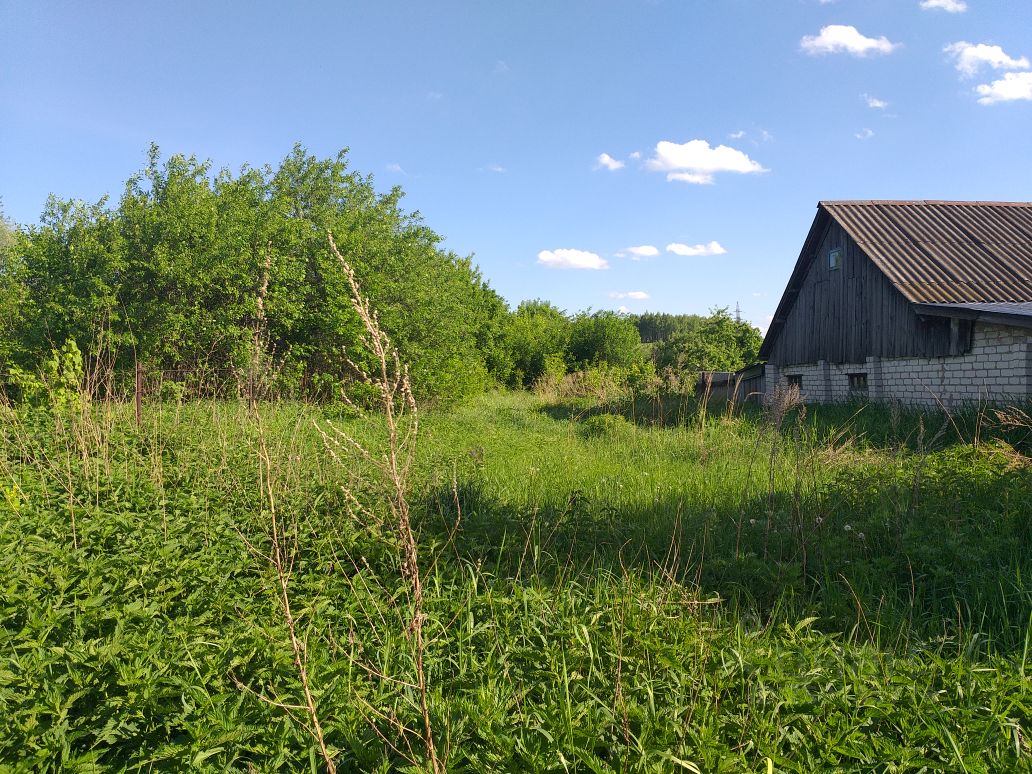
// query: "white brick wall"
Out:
[997,369]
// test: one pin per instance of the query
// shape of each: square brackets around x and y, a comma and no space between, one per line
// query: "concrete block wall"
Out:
[997,369]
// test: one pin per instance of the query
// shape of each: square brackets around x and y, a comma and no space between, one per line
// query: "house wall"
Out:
[751,388]
[998,368]
[847,314]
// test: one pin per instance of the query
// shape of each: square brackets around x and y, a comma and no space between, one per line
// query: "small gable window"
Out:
[858,384]
[835,259]
[795,380]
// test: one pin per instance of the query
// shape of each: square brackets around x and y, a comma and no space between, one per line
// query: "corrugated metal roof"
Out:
[945,252]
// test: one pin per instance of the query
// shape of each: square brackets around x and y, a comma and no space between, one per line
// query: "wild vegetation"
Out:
[606,572]
[673,588]
[178,276]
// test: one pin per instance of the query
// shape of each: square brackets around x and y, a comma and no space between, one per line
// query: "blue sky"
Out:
[723,122]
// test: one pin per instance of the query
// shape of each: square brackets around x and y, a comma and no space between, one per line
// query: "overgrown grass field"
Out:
[602,589]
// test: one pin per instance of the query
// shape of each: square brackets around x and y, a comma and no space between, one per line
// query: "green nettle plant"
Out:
[224,587]
[59,384]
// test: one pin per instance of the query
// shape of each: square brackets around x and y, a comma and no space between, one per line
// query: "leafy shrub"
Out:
[718,343]
[604,338]
[59,383]
[537,339]
[191,267]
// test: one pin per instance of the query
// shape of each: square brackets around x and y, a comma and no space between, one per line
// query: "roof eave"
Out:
[960,313]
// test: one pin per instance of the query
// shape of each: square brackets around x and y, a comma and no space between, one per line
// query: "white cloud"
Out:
[637,295]
[496,168]
[622,309]
[434,96]
[864,134]
[874,103]
[844,38]
[1009,88]
[636,155]
[758,137]
[695,178]
[950,6]
[501,67]
[713,248]
[608,162]
[696,162]
[565,258]
[639,252]
[396,168]
[971,57]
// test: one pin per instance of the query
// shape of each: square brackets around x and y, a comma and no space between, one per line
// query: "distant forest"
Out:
[192,270]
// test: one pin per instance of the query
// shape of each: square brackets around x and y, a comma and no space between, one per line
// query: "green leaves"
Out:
[537,339]
[573,610]
[715,343]
[605,337]
[174,275]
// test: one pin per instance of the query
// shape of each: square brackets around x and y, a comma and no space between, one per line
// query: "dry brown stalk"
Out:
[401,418]
[282,562]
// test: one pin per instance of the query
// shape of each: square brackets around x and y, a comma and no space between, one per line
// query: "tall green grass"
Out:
[604,592]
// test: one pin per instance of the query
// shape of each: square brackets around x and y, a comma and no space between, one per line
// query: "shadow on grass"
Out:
[872,425]
[940,550]
[665,411]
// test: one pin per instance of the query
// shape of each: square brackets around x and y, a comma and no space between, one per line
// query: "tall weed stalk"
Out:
[389,379]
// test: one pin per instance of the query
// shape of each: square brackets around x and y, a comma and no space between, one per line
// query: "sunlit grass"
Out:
[603,594]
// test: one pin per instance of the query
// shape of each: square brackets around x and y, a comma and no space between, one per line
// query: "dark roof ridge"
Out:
[949,202]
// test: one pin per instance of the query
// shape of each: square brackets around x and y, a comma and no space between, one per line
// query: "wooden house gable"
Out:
[840,307]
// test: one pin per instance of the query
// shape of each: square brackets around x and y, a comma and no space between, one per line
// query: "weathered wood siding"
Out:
[848,314]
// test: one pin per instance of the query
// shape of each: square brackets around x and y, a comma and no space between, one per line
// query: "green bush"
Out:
[191,267]
[604,338]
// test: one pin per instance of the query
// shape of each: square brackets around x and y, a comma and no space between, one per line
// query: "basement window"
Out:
[835,259]
[857,384]
[795,380]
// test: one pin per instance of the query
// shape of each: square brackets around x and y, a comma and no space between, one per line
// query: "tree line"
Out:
[195,269]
